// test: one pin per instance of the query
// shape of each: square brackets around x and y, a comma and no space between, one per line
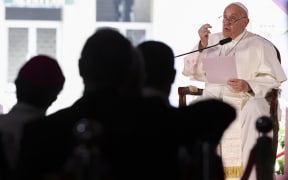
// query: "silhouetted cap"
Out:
[42,70]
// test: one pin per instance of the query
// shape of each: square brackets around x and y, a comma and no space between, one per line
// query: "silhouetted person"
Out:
[112,72]
[160,144]
[177,138]
[38,83]
[159,69]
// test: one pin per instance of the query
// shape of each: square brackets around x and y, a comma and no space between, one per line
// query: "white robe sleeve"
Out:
[270,73]
[193,67]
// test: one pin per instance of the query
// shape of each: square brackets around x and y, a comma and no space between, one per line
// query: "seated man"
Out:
[259,71]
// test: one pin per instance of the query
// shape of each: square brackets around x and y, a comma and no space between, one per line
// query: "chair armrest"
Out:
[188,90]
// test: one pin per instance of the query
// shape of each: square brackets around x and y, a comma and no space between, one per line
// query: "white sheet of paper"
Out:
[220,69]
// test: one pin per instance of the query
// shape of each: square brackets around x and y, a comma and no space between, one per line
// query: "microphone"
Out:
[224,41]
[221,42]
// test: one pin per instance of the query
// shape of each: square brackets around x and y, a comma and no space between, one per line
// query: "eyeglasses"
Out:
[230,20]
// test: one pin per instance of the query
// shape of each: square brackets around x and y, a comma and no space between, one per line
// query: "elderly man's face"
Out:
[234,22]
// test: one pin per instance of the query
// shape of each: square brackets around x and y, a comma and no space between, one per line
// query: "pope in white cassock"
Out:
[258,72]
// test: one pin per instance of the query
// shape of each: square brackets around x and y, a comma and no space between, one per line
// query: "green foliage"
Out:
[279,165]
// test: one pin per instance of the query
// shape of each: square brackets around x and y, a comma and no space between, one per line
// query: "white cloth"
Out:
[11,125]
[257,63]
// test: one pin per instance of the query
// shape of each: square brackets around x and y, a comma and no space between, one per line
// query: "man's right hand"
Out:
[204,35]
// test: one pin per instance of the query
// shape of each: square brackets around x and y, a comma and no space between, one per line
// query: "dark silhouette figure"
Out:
[159,69]
[38,83]
[176,147]
[99,125]
[159,142]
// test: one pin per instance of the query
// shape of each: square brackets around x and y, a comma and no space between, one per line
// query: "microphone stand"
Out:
[197,50]
[221,42]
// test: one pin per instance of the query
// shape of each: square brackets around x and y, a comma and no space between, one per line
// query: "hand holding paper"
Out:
[238,85]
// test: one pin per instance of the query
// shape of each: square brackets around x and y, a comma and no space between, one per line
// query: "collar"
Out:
[239,37]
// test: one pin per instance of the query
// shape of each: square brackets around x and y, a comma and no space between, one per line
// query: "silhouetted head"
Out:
[109,60]
[213,117]
[39,81]
[159,65]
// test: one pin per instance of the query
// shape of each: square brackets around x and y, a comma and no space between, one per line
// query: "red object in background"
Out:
[280,154]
